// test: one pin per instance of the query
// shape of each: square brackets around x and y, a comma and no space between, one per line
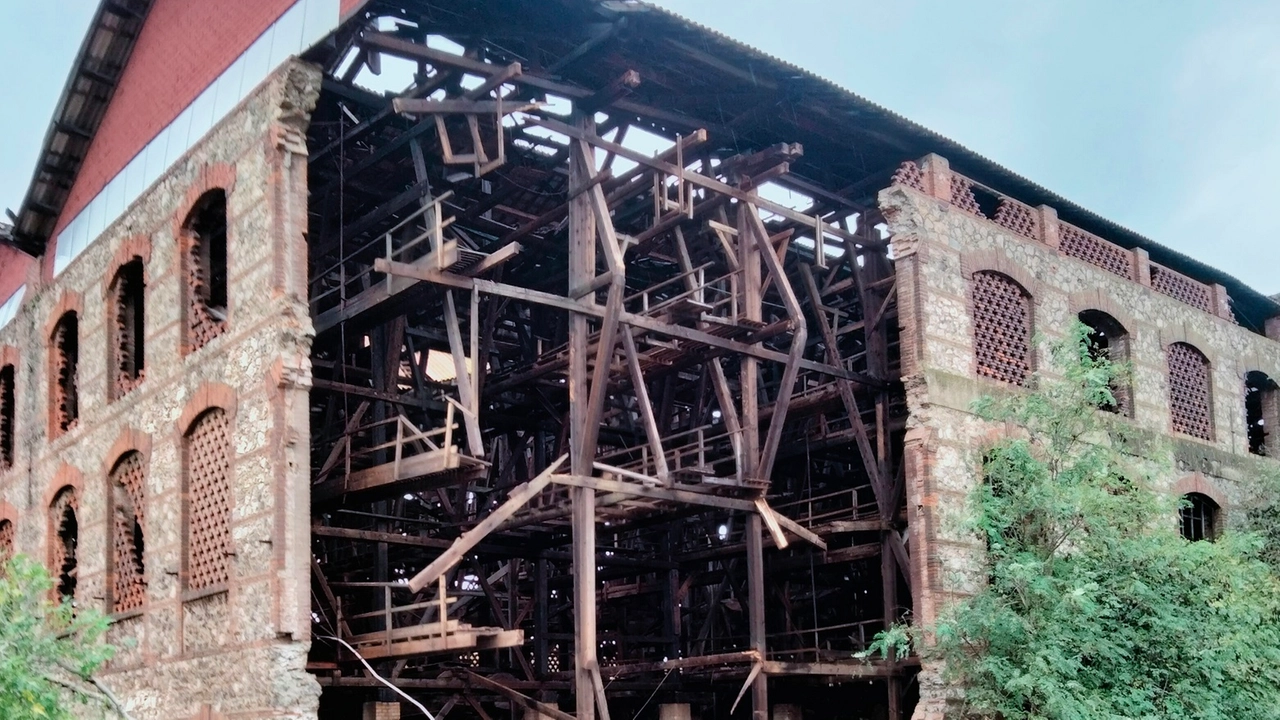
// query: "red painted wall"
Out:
[184,46]
[13,271]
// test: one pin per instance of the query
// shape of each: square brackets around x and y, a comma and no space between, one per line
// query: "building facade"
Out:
[541,362]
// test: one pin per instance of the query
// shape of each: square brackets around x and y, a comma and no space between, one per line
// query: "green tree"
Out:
[1093,606]
[48,651]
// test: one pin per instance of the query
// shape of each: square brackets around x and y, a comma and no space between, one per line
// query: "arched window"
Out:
[64,537]
[207,520]
[1001,328]
[127,352]
[1199,517]
[7,410]
[8,540]
[1261,411]
[1108,339]
[128,571]
[64,355]
[1189,391]
[205,237]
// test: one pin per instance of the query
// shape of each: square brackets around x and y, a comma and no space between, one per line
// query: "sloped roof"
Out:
[94,75]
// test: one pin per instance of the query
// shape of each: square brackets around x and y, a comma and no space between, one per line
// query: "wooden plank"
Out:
[421,465]
[519,496]
[655,493]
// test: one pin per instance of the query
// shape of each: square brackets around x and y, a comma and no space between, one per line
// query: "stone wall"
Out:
[237,650]
[938,246]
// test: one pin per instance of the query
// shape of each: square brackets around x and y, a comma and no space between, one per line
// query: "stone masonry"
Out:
[938,245]
[237,649]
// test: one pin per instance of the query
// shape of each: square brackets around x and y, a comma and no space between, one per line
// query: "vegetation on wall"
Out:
[1092,605]
[49,651]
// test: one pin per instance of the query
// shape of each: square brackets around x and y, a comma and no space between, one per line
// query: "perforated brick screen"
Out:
[64,530]
[1092,249]
[208,466]
[962,195]
[1001,328]
[7,407]
[7,540]
[1189,380]
[1180,287]
[65,351]
[1019,218]
[909,174]
[129,586]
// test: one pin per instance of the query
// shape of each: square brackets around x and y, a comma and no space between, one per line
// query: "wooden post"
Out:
[755,613]
[582,266]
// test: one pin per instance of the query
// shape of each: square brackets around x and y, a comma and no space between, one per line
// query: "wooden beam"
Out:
[519,496]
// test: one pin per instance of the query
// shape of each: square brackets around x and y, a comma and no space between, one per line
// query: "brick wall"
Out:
[939,248]
[239,646]
[183,47]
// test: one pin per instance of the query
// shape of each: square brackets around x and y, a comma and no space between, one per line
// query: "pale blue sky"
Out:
[1158,114]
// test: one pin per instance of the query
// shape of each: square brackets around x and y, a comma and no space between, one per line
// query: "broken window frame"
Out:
[1262,411]
[126,341]
[206,278]
[64,541]
[8,416]
[127,512]
[64,361]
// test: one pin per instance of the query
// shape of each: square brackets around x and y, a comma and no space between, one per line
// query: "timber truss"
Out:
[593,422]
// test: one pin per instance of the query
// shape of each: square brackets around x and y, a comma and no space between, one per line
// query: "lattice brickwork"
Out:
[909,174]
[65,354]
[1001,328]
[962,195]
[208,466]
[1189,381]
[129,586]
[8,540]
[1180,287]
[7,409]
[1092,249]
[1022,219]
[128,336]
[63,539]
[203,324]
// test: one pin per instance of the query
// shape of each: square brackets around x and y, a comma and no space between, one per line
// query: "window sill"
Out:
[202,593]
[120,617]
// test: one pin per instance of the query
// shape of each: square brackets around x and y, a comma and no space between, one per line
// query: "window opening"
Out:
[1109,340]
[7,408]
[129,586]
[1002,328]
[1199,517]
[206,230]
[128,352]
[66,357]
[1189,397]
[1260,409]
[208,518]
[66,538]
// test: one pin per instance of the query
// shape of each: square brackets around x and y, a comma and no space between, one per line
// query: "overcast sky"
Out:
[1158,114]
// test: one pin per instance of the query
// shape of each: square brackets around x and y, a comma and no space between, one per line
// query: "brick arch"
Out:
[9,356]
[68,301]
[216,176]
[134,246]
[129,440]
[976,261]
[1196,482]
[1179,333]
[1096,299]
[66,476]
[208,396]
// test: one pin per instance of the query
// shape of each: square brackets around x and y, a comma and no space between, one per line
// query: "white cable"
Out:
[380,679]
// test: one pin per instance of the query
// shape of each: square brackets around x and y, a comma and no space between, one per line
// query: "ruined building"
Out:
[555,358]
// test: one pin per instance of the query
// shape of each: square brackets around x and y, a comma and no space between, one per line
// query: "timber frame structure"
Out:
[542,358]
[589,420]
